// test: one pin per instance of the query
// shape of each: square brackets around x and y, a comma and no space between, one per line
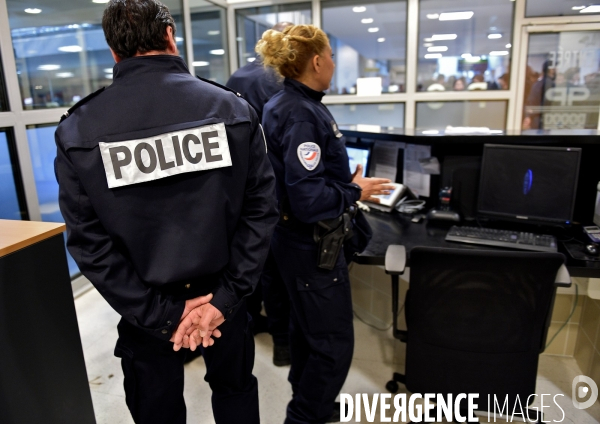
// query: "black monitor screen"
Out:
[529,183]
[358,155]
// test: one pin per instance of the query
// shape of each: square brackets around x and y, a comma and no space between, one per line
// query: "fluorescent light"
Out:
[217,52]
[577,7]
[251,59]
[366,21]
[214,32]
[427,44]
[433,15]
[178,39]
[473,59]
[465,55]
[494,36]
[64,75]
[433,56]
[381,40]
[100,1]
[108,76]
[373,29]
[359,9]
[428,40]
[508,46]
[594,8]
[440,37]
[33,10]
[456,16]
[430,132]
[48,67]
[108,70]
[437,49]
[201,63]
[499,53]
[70,49]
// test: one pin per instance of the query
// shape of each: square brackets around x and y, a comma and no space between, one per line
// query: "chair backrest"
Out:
[476,321]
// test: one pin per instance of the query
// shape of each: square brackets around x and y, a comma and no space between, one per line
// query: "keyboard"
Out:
[502,238]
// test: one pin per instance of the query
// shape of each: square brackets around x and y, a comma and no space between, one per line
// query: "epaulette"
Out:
[80,103]
[216,84]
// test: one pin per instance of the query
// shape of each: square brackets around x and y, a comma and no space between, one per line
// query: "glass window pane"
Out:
[477,115]
[382,114]
[43,151]
[369,41]
[253,21]
[61,53]
[211,60]
[562,87]
[560,8]
[464,45]
[9,198]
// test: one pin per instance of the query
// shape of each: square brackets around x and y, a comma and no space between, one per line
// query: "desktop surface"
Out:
[395,228]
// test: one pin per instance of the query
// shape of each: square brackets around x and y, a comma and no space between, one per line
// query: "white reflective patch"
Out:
[309,155]
[336,130]
[137,161]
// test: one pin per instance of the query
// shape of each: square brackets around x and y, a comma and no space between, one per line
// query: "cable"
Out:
[568,319]
[409,206]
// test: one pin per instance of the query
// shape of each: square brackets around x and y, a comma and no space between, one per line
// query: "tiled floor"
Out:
[376,356]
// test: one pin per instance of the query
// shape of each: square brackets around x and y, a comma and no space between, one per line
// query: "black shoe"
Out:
[335,417]
[281,355]
[259,325]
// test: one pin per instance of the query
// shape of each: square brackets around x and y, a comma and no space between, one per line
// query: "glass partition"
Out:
[562,81]
[60,50]
[462,116]
[253,21]
[560,8]
[10,207]
[209,34]
[382,114]
[369,43]
[464,45]
[42,149]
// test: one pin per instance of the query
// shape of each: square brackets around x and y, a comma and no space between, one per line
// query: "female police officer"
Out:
[314,184]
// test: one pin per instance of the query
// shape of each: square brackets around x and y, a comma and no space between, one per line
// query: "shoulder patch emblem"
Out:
[309,155]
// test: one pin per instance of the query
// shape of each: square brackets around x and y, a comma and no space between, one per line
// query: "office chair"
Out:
[477,321]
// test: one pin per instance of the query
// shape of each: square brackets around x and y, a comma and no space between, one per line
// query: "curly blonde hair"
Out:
[289,51]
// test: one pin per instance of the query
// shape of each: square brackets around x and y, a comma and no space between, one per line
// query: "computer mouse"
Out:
[592,249]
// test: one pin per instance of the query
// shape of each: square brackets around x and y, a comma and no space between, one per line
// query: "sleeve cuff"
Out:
[224,302]
[169,322]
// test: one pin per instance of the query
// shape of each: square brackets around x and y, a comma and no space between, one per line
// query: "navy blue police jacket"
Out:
[256,84]
[164,181]
[308,154]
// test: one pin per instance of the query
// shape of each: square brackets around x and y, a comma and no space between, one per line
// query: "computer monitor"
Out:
[528,183]
[358,154]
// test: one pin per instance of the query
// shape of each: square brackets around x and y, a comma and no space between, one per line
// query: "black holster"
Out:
[329,235]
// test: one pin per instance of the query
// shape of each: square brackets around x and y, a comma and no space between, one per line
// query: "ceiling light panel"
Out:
[456,16]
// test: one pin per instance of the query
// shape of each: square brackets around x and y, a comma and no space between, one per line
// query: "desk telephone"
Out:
[399,193]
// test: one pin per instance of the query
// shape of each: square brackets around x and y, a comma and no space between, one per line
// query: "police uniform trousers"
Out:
[154,374]
[277,302]
[321,329]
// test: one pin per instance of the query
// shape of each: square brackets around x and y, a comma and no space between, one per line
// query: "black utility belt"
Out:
[328,234]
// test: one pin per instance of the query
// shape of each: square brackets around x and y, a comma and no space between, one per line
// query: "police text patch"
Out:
[137,161]
[309,155]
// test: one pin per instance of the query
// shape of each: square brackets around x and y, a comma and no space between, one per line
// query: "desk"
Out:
[394,228]
[42,370]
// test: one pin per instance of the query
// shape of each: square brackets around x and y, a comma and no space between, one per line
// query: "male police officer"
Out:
[257,84]
[168,197]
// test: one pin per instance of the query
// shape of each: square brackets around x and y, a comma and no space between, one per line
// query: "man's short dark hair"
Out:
[136,26]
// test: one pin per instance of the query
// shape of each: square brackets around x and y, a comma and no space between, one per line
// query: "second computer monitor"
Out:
[529,183]
[358,154]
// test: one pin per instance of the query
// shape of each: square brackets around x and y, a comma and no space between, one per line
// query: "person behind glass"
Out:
[314,183]
[169,201]
[257,84]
